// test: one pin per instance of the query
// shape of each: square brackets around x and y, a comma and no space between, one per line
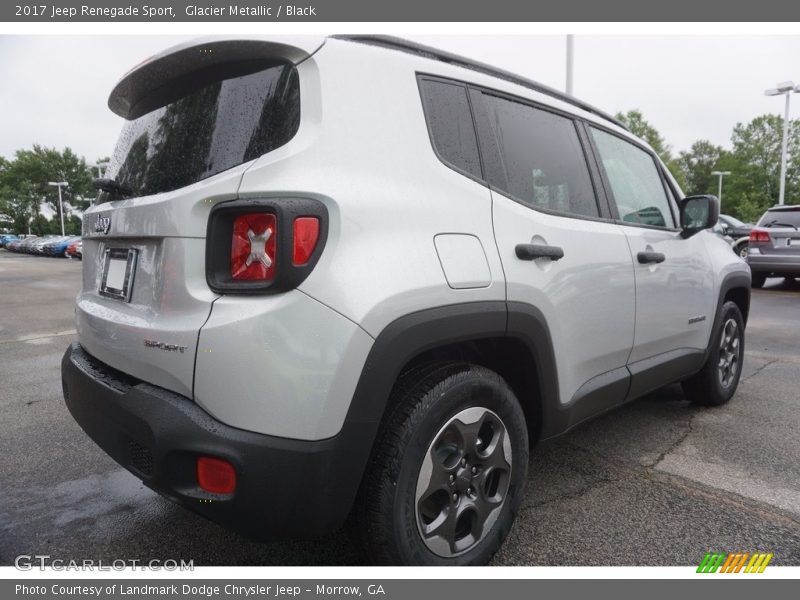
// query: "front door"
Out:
[674,286]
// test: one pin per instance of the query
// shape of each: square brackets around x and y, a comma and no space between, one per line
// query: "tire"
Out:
[742,249]
[757,280]
[716,383]
[455,409]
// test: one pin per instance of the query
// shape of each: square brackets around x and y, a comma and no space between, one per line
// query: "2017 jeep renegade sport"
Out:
[353,280]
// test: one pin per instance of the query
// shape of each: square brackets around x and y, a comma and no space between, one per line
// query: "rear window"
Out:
[217,127]
[781,218]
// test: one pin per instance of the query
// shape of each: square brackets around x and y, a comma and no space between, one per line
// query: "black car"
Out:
[739,231]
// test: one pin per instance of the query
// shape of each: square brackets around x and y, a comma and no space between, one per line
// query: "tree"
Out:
[696,165]
[31,171]
[24,186]
[755,161]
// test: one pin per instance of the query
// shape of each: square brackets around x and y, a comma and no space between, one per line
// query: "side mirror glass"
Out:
[698,213]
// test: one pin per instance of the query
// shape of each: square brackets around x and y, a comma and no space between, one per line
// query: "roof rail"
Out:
[396,43]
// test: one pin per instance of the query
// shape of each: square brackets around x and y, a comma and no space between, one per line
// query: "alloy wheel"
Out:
[463,481]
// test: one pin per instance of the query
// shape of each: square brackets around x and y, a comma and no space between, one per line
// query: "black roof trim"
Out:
[396,43]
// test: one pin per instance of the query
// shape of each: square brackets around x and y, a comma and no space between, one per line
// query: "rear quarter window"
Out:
[450,125]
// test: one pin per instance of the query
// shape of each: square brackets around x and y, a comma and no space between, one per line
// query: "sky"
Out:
[54,88]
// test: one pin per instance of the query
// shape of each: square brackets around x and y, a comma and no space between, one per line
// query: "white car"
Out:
[358,276]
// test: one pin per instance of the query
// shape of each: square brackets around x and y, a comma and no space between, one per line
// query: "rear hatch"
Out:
[196,117]
[783,227]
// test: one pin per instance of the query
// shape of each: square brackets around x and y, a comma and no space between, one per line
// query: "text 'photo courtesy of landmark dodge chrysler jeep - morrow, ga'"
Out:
[352,281]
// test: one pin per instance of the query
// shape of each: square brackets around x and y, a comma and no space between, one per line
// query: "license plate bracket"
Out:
[119,268]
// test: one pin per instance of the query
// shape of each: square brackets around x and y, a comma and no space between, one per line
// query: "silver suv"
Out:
[356,279]
[774,248]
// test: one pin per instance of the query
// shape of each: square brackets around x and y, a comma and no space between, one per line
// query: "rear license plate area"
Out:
[119,268]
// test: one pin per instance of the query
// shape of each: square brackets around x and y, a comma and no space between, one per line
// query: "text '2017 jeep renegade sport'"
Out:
[355,279]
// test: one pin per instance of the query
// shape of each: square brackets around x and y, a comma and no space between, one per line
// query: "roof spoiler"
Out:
[168,76]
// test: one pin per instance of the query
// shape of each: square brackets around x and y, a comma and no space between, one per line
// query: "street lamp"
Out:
[785,88]
[720,174]
[59,185]
[570,61]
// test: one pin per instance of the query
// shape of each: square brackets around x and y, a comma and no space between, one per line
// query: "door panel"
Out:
[674,279]
[587,296]
[558,252]
[674,298]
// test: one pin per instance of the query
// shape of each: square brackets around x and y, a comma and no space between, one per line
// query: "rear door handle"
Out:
[534,251]
[646,258]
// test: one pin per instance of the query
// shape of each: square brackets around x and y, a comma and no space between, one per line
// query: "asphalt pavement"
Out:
[656,482]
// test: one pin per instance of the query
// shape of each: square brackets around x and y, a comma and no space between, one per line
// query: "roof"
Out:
[395,43]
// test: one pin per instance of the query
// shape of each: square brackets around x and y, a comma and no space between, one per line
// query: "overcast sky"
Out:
[53,89]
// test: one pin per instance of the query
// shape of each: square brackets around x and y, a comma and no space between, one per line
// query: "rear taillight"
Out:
[253,247]
[306,234]
[759,236]
[264,246]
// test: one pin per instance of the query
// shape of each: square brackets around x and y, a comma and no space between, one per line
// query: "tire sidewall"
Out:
[729,311]
[478,389]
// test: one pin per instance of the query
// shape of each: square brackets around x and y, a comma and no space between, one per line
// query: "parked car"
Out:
[775,245]
[37,246]
[738,231]
[58,247]
[75,249]
[6,239]
[22,245]
[361,311]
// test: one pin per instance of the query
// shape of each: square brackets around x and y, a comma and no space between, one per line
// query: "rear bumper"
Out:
[285,488]
[769,263]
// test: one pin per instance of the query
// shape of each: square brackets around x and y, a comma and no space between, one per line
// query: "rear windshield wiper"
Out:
[776,222]
[112,187]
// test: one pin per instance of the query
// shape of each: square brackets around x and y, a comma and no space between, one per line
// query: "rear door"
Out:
[560,250]
[674,279]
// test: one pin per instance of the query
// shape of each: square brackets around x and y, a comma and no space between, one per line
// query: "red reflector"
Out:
[306,234]
[253,247]
[759,236]
[216,475]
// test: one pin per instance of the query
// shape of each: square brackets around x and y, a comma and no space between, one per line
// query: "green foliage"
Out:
[754,163]
[24,186]
[696,166]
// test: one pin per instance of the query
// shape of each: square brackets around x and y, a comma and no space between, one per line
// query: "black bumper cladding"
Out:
[285,488]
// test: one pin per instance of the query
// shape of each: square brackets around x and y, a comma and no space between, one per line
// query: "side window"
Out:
[450,125]
[635,182]
[544,163]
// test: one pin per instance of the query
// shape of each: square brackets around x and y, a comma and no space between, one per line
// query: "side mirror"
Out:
[698,213]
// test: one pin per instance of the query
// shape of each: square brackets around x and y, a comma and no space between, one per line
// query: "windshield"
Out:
[217,127]
[781,218]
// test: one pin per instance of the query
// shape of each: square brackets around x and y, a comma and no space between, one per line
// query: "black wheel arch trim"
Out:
[738,280]
[415,333]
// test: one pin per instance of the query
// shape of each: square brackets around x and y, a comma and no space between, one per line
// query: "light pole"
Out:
[786,88]
[59,185]
[570,61]
[720,174]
